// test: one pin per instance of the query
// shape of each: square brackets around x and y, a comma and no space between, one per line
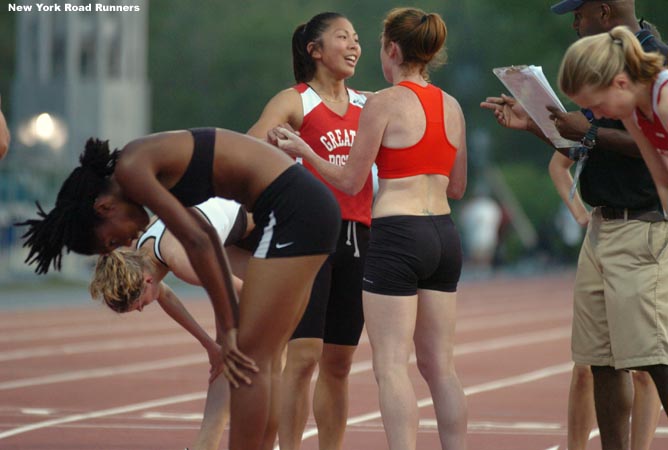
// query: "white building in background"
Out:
[78,74]
[82,74]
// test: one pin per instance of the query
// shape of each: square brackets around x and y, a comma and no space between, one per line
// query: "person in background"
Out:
[617,184]
[4,133]
[480,219]
[416,134]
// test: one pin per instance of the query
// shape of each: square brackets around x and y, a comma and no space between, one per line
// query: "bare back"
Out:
[420,194]
[243,166]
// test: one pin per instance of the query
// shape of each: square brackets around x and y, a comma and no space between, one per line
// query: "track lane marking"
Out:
[105,413]
[105,372]
[476,347]
[97,346]
[460,349]
[515,380]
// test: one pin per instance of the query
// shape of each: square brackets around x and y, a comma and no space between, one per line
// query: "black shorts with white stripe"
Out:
[297,216]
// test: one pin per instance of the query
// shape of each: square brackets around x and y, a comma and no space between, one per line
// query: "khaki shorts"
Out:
[620,310]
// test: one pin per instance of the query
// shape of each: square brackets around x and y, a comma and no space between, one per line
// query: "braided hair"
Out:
[71,223]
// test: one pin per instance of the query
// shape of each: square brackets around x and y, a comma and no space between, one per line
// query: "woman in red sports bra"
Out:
[613,76]
[415,133]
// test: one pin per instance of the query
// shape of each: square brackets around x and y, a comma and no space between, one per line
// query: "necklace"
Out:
[327,99]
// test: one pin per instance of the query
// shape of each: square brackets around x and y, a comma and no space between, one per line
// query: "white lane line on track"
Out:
[96,346]
[516,340]
[492,344]
[467,324]
[485,387]
[38,411]
[502,426]
[92,330]
[105,412]
[505,320]
[464,324]
[113,345]
[105,372]
[595,433]
[154,415]
[190,422]
[460,349]
[471,390]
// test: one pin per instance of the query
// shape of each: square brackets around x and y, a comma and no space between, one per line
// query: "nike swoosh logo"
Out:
[287,244]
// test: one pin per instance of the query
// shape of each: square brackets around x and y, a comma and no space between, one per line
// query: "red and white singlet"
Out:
[655,131]
[331,136]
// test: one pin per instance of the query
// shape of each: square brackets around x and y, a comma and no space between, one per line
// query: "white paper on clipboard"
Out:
[532,90]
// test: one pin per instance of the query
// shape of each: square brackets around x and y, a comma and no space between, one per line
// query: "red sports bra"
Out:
[433,154]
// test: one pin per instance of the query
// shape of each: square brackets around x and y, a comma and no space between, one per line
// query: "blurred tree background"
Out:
[217,63]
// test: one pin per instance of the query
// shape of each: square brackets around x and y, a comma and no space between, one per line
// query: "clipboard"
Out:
[533,92]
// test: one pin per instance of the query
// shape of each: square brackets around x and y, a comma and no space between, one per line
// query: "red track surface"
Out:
[85,378]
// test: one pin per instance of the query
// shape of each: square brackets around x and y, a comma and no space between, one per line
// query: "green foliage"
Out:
[533,189]
[220,62]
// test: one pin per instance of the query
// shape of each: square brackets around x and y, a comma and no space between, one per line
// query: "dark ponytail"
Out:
[303,64]
[70,224]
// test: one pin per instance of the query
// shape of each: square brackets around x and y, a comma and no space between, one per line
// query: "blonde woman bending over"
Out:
[129,279]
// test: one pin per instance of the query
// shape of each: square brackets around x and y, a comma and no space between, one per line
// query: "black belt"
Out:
[646,215]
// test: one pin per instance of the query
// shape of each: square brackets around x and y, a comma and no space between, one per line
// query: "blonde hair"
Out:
[595,61]
[419,35]
[118,279]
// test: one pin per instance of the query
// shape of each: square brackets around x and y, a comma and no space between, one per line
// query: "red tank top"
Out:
[433,154]
[331,136]
[655,131]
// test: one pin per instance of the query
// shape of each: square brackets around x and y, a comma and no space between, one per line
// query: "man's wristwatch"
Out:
[587,143]
[589,139]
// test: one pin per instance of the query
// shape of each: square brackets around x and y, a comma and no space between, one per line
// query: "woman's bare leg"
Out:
[330,399]
[269,440]
[390,324]
[303,357]
[216,415]
[646,411]
[581,412]
[275,295]
[434,349]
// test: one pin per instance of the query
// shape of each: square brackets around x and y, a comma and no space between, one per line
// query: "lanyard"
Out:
[581,154]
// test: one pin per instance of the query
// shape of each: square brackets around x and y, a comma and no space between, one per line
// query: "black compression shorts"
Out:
[407,253]
[334,312]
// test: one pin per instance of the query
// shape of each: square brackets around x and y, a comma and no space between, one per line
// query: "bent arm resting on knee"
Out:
[171,304]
